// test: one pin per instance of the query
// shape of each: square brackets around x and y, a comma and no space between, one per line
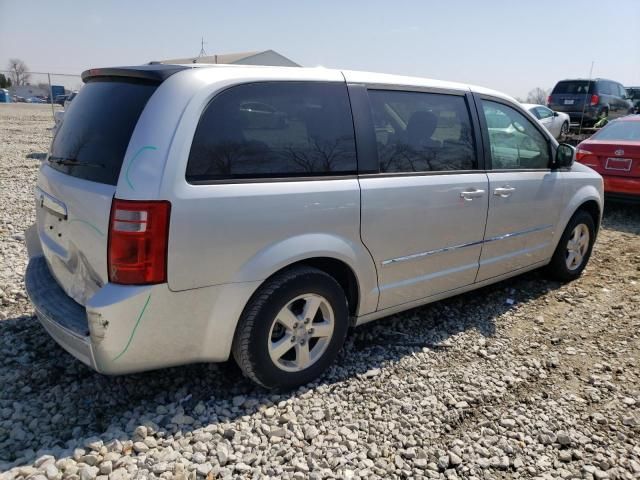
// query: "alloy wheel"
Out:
[577,246]
[301,332]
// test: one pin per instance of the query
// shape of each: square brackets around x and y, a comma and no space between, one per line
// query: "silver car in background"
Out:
[187,213]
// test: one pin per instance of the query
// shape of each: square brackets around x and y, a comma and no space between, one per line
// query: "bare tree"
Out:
[538,96]
[19,72]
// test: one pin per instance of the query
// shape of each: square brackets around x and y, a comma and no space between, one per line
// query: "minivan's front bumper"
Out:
[126,329]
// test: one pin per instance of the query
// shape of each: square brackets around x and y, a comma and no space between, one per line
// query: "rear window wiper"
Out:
[73,162]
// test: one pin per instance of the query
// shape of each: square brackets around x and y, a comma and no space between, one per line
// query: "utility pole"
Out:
[202,52]
[53,112]
[586,94]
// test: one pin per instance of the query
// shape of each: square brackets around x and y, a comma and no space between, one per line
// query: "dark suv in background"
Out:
[634,96]
[588,100]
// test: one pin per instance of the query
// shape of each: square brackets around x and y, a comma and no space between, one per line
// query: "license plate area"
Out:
[51,204]
[618,164]
[569,102]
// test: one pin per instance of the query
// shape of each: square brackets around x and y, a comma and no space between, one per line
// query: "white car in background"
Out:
[556,122]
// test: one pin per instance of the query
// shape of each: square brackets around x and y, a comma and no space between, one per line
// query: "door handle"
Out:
[504,192]
[469,195]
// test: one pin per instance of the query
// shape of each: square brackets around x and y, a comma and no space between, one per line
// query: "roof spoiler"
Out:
[157,73]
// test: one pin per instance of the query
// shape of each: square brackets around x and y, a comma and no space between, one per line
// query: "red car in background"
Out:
[614,152]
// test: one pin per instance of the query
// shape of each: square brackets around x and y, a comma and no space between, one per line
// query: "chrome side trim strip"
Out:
[415,256]
[430,252]
[518,234]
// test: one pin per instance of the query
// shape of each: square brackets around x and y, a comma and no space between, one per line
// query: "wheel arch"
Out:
[349,263]
[593,209]
[341,273]
[588,198]
[234,298]
[339,270]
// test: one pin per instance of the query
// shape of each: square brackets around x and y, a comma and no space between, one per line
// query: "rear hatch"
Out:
[77,183]
[571,95]
[614,150]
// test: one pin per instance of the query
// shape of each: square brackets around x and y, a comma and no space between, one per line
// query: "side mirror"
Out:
[565,155]
[555,114]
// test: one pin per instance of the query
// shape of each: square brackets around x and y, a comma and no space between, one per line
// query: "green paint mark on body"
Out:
[133,332]
[131,162]
[88,224]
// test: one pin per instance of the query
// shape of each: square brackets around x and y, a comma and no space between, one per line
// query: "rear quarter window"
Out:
[274,129]
[606,88]
[97,126]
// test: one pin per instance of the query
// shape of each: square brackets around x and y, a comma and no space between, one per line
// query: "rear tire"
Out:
[302,308]
[574,249]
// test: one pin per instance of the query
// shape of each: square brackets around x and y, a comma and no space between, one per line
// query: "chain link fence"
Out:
[44,87]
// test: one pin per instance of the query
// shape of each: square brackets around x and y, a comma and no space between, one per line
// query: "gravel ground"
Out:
[524,379]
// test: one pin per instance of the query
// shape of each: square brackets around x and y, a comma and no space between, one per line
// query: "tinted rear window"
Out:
[96,129]
[275,129]
[573,87]
[629,130]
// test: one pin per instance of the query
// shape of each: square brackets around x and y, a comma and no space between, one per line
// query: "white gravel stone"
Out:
[50,471]
[88,473]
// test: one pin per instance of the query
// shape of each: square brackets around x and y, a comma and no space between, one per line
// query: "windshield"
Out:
[629,130]
[573,87]
[95,132]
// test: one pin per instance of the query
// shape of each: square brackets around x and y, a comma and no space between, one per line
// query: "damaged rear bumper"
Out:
[125,329]
[64,319]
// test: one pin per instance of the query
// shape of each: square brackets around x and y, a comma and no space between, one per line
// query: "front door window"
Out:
[514,141]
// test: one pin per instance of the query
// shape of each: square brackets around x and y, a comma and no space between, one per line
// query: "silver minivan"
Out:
[187,213]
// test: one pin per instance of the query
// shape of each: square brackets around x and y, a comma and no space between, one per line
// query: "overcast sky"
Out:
[512,46]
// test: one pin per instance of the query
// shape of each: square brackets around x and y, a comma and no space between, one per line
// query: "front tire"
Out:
[292,329]
[574,249]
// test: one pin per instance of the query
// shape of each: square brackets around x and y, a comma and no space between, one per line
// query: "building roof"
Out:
[227,58]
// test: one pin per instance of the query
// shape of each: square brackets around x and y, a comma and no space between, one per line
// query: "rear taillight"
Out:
[594,100]
[581,154]
[548,100]
[138,239]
